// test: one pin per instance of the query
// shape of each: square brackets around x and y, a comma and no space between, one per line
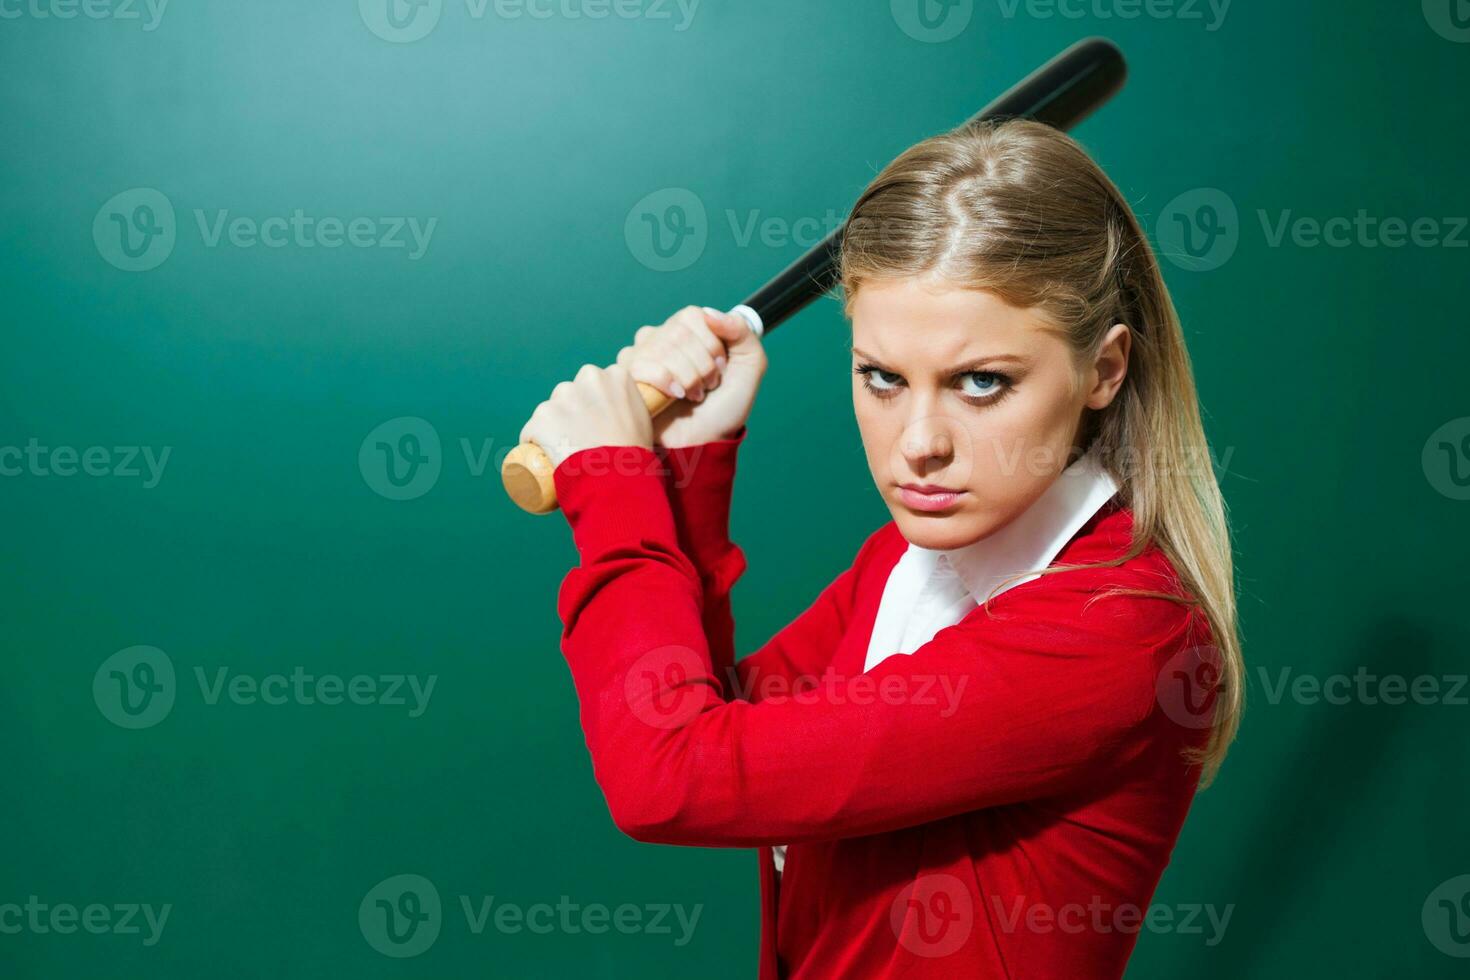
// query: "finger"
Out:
[731,328]
[694,340]
[645,364]
[692,320]
[686,373]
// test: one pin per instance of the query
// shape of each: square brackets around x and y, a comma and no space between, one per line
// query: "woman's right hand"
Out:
[711,361]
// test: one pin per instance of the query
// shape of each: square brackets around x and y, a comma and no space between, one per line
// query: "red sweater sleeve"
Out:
[700,483]
[1037,698]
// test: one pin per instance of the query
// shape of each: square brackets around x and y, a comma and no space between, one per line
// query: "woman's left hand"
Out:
[599,407]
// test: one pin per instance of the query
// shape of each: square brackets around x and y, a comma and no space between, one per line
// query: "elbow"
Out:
[637,816]
[653,814]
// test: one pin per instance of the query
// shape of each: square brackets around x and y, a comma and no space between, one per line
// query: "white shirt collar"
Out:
[929,589]
[1035,538]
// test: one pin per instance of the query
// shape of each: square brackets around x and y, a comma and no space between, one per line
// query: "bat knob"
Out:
[527,475]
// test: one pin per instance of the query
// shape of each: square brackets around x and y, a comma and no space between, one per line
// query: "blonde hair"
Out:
[1020,209]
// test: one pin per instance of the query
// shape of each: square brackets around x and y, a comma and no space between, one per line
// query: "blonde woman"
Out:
[973,753]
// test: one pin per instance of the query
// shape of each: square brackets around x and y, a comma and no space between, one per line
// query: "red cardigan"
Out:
[999,803]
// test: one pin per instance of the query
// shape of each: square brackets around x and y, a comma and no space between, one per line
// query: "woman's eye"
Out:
[877,380]
[982,384]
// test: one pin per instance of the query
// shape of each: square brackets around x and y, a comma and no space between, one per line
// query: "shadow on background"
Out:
[1328,805]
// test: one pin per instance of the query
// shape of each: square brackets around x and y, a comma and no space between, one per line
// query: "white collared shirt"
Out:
[930,589]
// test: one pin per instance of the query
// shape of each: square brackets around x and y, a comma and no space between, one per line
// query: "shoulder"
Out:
[1101,597]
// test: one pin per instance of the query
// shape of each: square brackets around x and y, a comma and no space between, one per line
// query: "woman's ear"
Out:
[1111,366]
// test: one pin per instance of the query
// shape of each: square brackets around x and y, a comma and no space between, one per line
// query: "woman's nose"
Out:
[927,437]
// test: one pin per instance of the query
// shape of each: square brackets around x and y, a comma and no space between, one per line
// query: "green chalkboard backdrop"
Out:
[252,676]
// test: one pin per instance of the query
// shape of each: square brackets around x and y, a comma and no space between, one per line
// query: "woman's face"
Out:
[969,394]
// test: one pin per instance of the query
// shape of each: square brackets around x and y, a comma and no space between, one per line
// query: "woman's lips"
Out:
[928,500]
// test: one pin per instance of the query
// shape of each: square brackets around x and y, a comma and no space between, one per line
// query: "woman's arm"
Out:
[1050,693]
[700,481]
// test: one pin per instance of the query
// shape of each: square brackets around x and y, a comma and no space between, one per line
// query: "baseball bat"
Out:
[1061,93]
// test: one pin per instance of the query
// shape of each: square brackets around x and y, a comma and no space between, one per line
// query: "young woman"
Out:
[972,754]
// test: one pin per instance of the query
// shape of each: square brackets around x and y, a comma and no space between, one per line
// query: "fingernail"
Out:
[720,362]
[713,312]
[677,389]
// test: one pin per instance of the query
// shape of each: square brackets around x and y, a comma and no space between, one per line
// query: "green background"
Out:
[263,548]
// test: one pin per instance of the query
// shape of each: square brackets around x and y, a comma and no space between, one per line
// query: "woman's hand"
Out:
[712,361]
[600,407]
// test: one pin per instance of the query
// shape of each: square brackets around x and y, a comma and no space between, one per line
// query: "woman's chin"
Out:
[942,530]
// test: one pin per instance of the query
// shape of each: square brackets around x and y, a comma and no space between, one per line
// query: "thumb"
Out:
[732,328]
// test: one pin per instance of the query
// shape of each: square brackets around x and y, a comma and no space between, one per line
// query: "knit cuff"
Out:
[700,484]
[612,495]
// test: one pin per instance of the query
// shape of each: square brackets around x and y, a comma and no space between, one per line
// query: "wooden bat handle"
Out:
[527,469]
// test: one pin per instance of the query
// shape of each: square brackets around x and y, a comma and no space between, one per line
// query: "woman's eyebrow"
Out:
[974,364]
